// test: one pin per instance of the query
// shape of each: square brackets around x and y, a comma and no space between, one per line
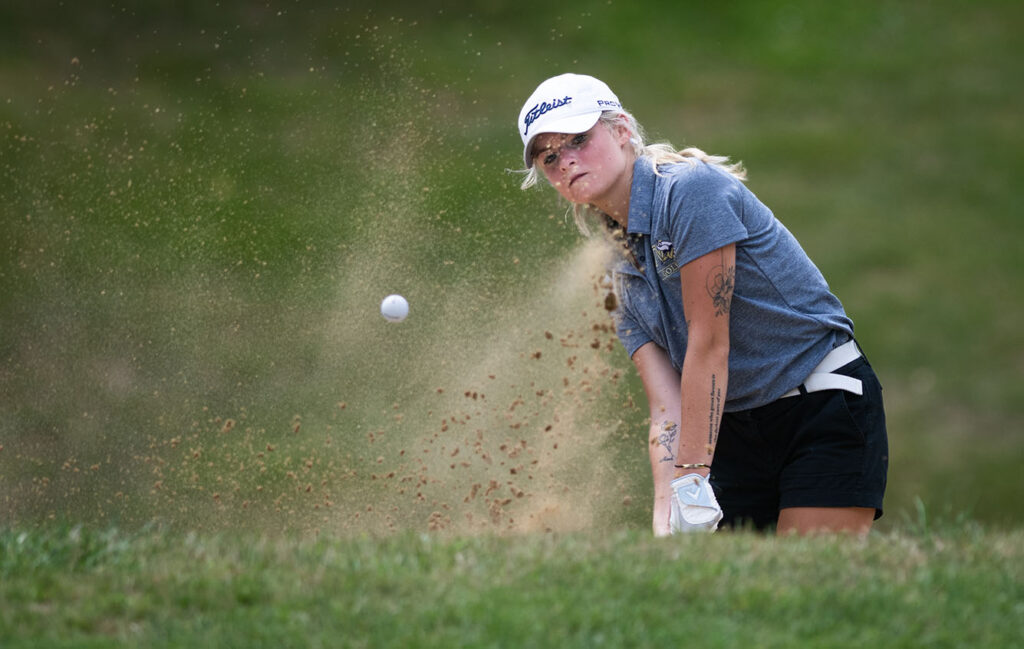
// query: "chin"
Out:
[584,197]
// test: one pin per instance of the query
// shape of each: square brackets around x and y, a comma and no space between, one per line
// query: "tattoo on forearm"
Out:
[714,414]
[720,284]
[667,439]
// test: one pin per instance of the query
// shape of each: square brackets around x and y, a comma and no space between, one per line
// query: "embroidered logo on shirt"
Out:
[666,255]
[664,250]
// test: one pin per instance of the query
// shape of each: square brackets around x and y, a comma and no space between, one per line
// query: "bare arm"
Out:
[707,285]
[661,384]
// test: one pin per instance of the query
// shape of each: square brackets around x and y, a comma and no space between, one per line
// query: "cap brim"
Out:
[574,124]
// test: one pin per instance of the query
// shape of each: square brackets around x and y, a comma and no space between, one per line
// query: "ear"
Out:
[622,134]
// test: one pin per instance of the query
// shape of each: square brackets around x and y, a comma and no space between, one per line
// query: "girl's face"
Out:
[588,167]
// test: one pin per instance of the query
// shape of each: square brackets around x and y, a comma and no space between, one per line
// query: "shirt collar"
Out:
[641,197]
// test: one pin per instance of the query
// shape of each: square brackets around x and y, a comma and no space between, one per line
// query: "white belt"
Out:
[822,377]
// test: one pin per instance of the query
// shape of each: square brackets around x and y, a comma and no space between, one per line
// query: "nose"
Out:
[566,157]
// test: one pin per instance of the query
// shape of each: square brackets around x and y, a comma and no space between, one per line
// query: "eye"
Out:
[550,158]
[579,139]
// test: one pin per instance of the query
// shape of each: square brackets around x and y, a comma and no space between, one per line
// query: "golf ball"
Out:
[394,308]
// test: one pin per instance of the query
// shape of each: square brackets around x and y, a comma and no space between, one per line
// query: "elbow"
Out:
[711,341]
[707,348]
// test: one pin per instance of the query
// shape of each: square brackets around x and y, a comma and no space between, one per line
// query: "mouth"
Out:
[572,181]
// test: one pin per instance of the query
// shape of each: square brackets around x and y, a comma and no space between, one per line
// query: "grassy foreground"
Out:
[78,587]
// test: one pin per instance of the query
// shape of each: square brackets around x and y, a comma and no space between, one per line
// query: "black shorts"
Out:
[821,449]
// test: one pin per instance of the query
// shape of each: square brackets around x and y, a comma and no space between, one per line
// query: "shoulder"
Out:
[697,181]
[696,173]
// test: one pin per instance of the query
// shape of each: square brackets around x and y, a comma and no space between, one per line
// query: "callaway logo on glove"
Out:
[694,506]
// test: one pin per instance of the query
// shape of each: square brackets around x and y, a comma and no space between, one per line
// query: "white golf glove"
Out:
[694,506]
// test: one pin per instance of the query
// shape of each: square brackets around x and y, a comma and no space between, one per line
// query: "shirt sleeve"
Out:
[705,212]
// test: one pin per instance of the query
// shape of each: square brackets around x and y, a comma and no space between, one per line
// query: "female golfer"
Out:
[764,412]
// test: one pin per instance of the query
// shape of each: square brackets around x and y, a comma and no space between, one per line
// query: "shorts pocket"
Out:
[865,409]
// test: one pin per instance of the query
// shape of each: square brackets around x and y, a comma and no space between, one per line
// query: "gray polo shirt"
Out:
[784,319]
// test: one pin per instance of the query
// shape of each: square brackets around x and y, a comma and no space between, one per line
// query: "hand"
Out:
[694,506]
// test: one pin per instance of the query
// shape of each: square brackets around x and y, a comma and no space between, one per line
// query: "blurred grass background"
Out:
[204,204]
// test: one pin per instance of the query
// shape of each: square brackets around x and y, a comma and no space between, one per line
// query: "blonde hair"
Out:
[657,154]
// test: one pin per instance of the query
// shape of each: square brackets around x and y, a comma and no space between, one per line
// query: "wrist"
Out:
[700,468]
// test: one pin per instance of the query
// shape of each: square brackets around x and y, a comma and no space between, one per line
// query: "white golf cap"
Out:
[568,103]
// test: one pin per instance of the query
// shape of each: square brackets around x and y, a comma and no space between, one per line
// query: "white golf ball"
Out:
[394,308]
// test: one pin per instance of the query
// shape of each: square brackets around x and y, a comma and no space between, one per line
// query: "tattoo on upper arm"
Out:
[720,284]
[667,439]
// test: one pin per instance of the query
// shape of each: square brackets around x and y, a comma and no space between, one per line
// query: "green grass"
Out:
[919,587]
